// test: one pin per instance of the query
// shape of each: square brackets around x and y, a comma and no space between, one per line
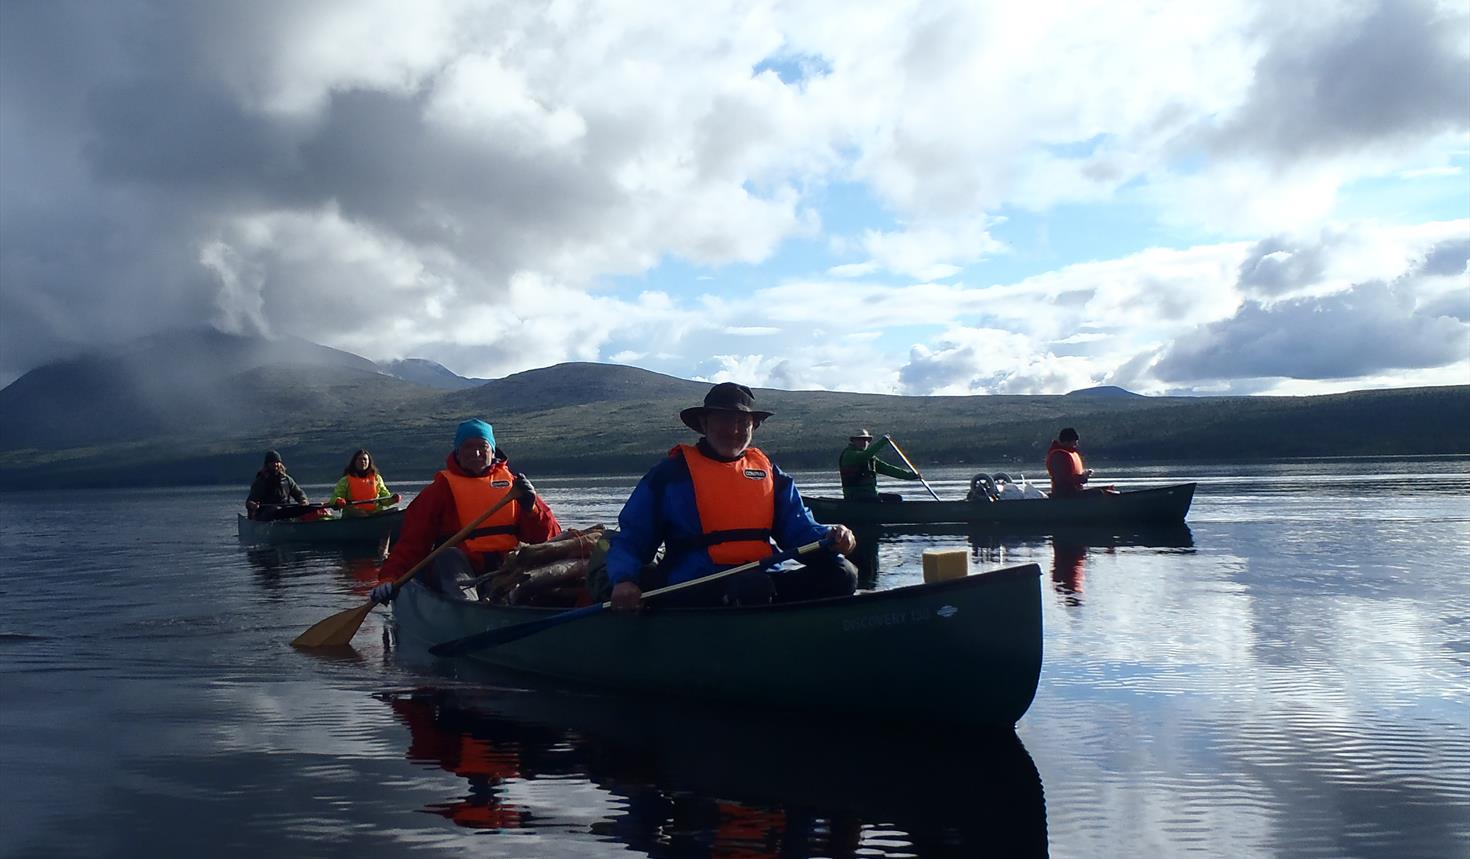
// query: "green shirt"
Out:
[860,470]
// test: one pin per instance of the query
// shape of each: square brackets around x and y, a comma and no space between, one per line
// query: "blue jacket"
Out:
[662,508]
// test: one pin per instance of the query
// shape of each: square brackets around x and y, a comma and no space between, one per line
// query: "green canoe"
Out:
[966,650]
[1166,505]
[349,529]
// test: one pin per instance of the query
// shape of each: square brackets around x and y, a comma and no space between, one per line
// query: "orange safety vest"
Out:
[362,488]
[1065,482]
[475,495]
[736,503]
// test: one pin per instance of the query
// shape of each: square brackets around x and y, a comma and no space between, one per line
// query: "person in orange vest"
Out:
[361,483]
[475,477]
[1068,475]
[716,504]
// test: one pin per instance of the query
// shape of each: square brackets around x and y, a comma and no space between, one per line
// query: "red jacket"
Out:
[1064,464]
[432,517]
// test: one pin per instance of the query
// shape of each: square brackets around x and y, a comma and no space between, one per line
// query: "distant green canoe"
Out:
[1166,505]
[966,650]
[367,530]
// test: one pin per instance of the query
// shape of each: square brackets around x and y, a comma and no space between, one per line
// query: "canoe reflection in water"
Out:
[690,780]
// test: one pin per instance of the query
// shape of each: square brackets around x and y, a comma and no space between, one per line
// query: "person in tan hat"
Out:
[860,466]
[716,504]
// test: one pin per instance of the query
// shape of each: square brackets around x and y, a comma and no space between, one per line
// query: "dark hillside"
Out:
[431,373]
[144,417]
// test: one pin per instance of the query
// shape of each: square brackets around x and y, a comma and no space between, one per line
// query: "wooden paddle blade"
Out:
[335,631]
[506,634]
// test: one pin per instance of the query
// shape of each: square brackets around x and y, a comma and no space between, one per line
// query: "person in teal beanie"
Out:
[474,428]
[476,476]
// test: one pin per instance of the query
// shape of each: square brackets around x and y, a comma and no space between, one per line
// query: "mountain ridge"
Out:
[159,425]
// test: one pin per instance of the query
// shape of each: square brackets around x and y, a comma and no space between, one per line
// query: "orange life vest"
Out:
[362,488]
[736,503]
[1063,481]
[475,495]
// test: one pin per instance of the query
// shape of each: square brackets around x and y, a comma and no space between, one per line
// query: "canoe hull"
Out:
[967,650]
[365,530]
[1166,505]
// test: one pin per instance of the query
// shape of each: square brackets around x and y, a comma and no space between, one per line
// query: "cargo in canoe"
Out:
[1169,504]
[368,530]
[966,650]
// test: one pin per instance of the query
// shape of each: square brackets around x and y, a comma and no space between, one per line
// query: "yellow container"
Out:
[943,564]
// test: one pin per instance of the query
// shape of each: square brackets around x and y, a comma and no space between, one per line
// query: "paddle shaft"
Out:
[338,629]
[452,541]
[898,450]
[327,505]
[764,562]
[507,634]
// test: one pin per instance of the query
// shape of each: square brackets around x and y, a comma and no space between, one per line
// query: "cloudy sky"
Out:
[907,197]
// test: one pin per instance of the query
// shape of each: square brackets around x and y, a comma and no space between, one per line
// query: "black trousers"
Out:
[825,574]
[452,568]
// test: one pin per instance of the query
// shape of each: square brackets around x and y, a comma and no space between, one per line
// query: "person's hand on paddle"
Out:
[394,499]
[383,594]
[843,541]
[339,503]
[627,596]
[524,490]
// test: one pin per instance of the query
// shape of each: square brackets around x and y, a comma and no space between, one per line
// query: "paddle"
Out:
[338,629]
[506,634]
[899,451]
[322,506]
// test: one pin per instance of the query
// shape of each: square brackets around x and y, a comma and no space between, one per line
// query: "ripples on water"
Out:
[1286,676]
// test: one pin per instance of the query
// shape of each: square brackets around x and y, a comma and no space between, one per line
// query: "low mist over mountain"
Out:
[192,382]
[200,406]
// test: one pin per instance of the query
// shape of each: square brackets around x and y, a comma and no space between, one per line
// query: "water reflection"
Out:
[992,546]
[274,565]
[685,780]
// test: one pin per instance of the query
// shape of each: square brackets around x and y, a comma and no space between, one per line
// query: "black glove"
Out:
[524,489]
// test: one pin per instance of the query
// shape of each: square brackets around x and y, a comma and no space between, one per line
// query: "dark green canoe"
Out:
[349,529]
[1166,505]
[966,650]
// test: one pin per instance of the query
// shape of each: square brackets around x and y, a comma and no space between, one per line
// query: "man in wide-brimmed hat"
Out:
[860,466]
[720,503]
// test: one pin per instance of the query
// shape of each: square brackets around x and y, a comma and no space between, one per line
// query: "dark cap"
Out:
[272,456]
[1067,434]
[724,397]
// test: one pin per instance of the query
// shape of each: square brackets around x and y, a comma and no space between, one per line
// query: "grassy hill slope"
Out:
[599,418]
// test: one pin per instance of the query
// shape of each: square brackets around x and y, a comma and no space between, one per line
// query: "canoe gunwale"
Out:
[344,531]
[1156,505]
[988,578]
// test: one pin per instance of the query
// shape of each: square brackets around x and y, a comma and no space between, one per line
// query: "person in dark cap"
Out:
[475,477]
[719,503]
[273,494]
[860,466]
[1068,475]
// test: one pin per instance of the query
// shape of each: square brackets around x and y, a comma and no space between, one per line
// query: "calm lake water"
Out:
[1288,676]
